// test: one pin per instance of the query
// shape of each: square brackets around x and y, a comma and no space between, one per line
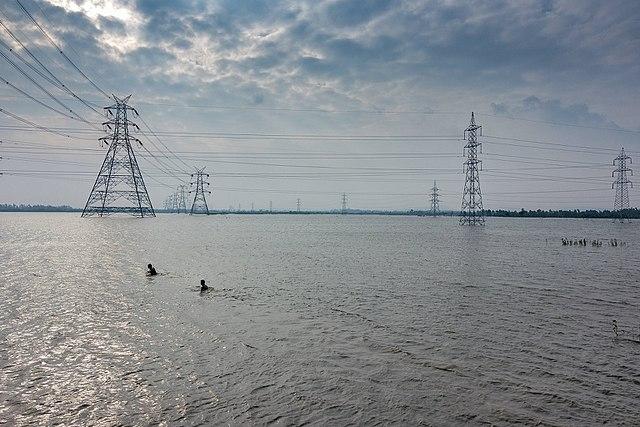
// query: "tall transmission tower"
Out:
[472,211]
[119,187]
[199,205]
[298,204]
[344,203]
[435,199]
[621,184]
[181,199]
[270,206]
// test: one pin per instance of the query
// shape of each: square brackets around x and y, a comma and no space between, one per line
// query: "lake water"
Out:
[326,320]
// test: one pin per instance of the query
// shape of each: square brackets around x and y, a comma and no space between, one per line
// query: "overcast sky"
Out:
[280,91]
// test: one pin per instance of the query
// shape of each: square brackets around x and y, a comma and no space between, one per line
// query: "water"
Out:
[326,320]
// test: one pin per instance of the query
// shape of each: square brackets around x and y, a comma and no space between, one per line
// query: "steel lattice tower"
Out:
[621,184]
[435,199]
[298,203]
[119,179]
[169,203]
[472,211]
[181,197]
[199,205]
[344,203]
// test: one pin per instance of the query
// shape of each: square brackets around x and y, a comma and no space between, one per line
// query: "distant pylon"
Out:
[435,201]
[181,199]
[119,179]
[621,184]
[298,203]
[170,203]
[174,203]
[344,203]
[199,205]
[472,211]
[270,206]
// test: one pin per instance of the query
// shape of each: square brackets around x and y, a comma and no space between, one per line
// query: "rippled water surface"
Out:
[325,320]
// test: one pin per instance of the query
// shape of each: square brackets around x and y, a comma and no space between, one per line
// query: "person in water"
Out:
[203,287]
[151,271]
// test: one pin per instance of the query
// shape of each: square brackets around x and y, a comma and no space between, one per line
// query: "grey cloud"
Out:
[355,12]
[150,57]
[553,110]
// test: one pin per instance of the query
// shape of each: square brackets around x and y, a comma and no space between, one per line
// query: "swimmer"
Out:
[151,271]
[203,287]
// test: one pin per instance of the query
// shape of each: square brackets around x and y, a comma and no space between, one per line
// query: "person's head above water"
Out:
[149,266]
[203,286]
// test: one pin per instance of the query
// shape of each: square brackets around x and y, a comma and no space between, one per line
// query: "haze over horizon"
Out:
[309,99]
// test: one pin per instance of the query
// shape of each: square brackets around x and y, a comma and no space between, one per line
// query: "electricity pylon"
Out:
[181,199]
[344,203]
[119,179]
[298,203]
[199,205]
[621,184]
[472,211]
[169,203]
[435,199]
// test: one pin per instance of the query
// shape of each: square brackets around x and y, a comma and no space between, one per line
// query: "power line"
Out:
[614,129]
[30,123]
[160,141]
[51,78]
[36,100]
[43,89]
[54,44]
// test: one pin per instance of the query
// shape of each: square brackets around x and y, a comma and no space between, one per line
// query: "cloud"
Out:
[553,110]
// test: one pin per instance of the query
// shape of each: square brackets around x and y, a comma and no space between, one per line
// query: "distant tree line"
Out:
[633,213]
[36,208]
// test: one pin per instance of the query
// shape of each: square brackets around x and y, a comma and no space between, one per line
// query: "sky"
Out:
[287,100]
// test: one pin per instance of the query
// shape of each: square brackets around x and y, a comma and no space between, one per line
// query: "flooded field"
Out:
[317,319]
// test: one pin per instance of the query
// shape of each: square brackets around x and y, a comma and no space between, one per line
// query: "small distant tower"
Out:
[435,199]
[181,199]
[199,205]
[344,203]
[252,209]
[298,205]
[119,187]
[472,211]
[270,206]
[621,184]
[173,199]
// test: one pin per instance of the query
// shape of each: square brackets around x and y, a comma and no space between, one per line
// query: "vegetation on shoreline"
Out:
[633,213]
